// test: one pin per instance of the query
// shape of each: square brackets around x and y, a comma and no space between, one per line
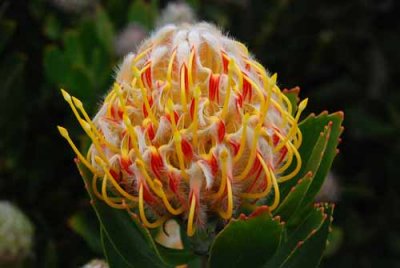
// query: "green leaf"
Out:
[80,84]
[312,221]
[73,50]
[335,240]
[308,253]
[335,121]
[87,227]
[311,128]
[104,29]
[113,257]
[143,12]
[293,199]
[52,27]
[55,65]
[175,256]
[247,241]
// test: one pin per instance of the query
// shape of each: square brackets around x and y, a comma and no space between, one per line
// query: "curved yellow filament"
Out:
[288,162]
[150,113]
[65,135]
[79,105]
[141,55]
[268,180]
[257,88]
[299,138]
[178,146]
[243,138]
[260,69]
[190,67]
[106,198]
[224,175]
[195,121]
[113,182]
[298,161]
[85,125]
[228,213]
[267,83]
[169,70]
[276,192]
[132,135]
[294,127]
[190,228]
[288,103]
[142,213]
[252,157]
[95,189]
[228,90]
[149,181]
[110,102]
[183,91]
[289,156]
[173,211]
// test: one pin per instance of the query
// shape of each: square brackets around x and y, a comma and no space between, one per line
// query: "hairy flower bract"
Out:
[193,126]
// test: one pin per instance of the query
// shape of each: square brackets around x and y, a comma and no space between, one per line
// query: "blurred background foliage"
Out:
[343,54]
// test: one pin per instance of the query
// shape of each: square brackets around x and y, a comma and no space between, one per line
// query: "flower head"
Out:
[176,13]
[16,234]
[192,126]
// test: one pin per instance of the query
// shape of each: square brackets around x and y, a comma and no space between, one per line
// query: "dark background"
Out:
[343,54]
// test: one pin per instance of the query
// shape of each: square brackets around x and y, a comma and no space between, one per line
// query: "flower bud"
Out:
[193,126]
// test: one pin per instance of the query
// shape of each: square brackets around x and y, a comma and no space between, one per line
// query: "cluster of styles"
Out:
[193,126]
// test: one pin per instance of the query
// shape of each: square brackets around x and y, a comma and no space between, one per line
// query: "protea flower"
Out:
[193,128]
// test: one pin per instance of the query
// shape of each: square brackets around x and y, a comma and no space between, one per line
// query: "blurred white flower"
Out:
[129,39]
[176,13]
[74,6]
[330,190]
[16,234]
[96,263]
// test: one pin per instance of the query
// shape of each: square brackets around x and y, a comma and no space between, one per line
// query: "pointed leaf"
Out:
[313,125]
[73,49]
[247,241]
[312,221]
[327,159]
[55,65]
[309,253]
[104,29]
[294,197]
[143,12]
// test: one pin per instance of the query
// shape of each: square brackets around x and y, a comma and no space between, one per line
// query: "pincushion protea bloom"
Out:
[192,126]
